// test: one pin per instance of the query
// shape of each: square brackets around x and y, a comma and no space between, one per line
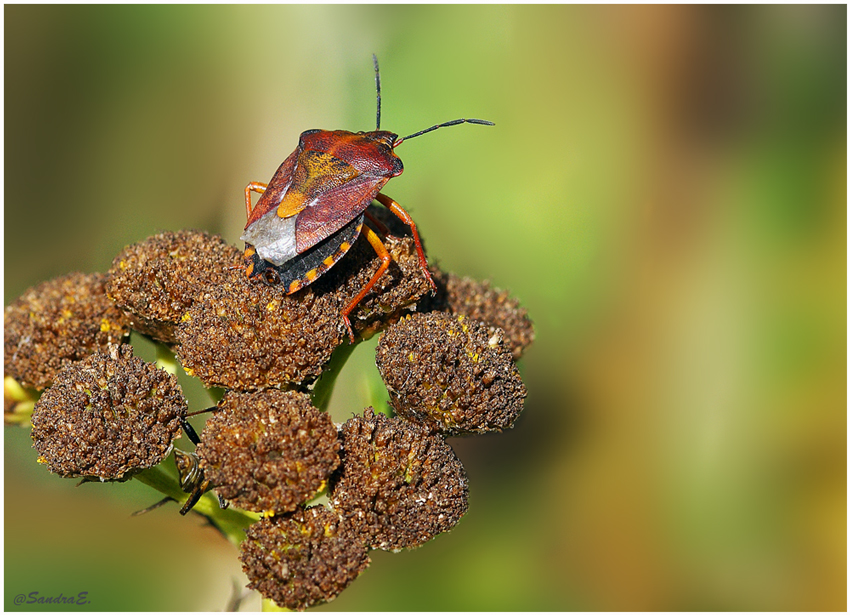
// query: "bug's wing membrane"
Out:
[272,237]
[333,209]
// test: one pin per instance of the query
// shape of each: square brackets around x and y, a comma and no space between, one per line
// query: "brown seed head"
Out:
[451,374]
[247,335]
[107,417]
[397,484]
[482,302]
[303,558]
[56,323]
[157,280]
[268,451]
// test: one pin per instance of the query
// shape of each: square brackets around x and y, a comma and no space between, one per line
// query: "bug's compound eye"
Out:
[271,277]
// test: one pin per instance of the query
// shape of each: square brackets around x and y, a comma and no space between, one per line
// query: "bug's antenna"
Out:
[378,87]
[452,123]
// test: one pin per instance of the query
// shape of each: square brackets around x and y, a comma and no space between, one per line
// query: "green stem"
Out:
[165,359]
[324,388]
[229,521]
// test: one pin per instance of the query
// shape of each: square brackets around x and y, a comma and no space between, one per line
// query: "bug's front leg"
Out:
[394,207]
[257,187]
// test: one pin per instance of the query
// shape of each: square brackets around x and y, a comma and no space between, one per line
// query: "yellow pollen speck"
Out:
[272,305]
[185,317]
[104,325]
[411,357]
[189,371]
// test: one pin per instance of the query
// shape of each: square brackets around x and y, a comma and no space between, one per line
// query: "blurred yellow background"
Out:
[665,190]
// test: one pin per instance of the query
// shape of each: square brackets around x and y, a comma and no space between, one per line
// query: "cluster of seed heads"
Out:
[448,362]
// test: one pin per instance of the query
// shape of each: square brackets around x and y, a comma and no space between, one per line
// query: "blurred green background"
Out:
[664,190]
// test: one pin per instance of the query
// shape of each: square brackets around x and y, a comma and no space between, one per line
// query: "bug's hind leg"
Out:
[394,207]
[257,187]
[385,257]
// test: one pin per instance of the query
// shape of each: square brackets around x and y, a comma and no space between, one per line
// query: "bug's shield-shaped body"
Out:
[324,186]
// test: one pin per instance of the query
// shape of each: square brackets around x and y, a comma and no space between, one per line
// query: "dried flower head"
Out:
[303,558]
[155,281]
[268,451]
[247,335]
[451,374]
[58,322]
[482,302]
[107,417]
[398,485]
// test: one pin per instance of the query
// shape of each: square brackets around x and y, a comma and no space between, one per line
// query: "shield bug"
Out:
[312,210]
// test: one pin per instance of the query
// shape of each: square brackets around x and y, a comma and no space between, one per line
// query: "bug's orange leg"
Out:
[394,207]
[380,226]
[385,257]
[257,187]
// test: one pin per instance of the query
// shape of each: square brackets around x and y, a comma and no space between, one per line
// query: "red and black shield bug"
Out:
[313,209]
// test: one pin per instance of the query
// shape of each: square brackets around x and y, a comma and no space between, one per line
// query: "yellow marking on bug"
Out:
[345,247]
[315,174]
[329,261]
[311,275]
[296,285]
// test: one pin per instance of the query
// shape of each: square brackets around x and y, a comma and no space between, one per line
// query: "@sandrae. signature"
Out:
[35,598]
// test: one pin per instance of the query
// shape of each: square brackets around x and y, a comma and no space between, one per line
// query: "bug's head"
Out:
[396,140]
[383,142]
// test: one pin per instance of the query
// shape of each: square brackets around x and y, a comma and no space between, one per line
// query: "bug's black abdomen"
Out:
[307,267]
